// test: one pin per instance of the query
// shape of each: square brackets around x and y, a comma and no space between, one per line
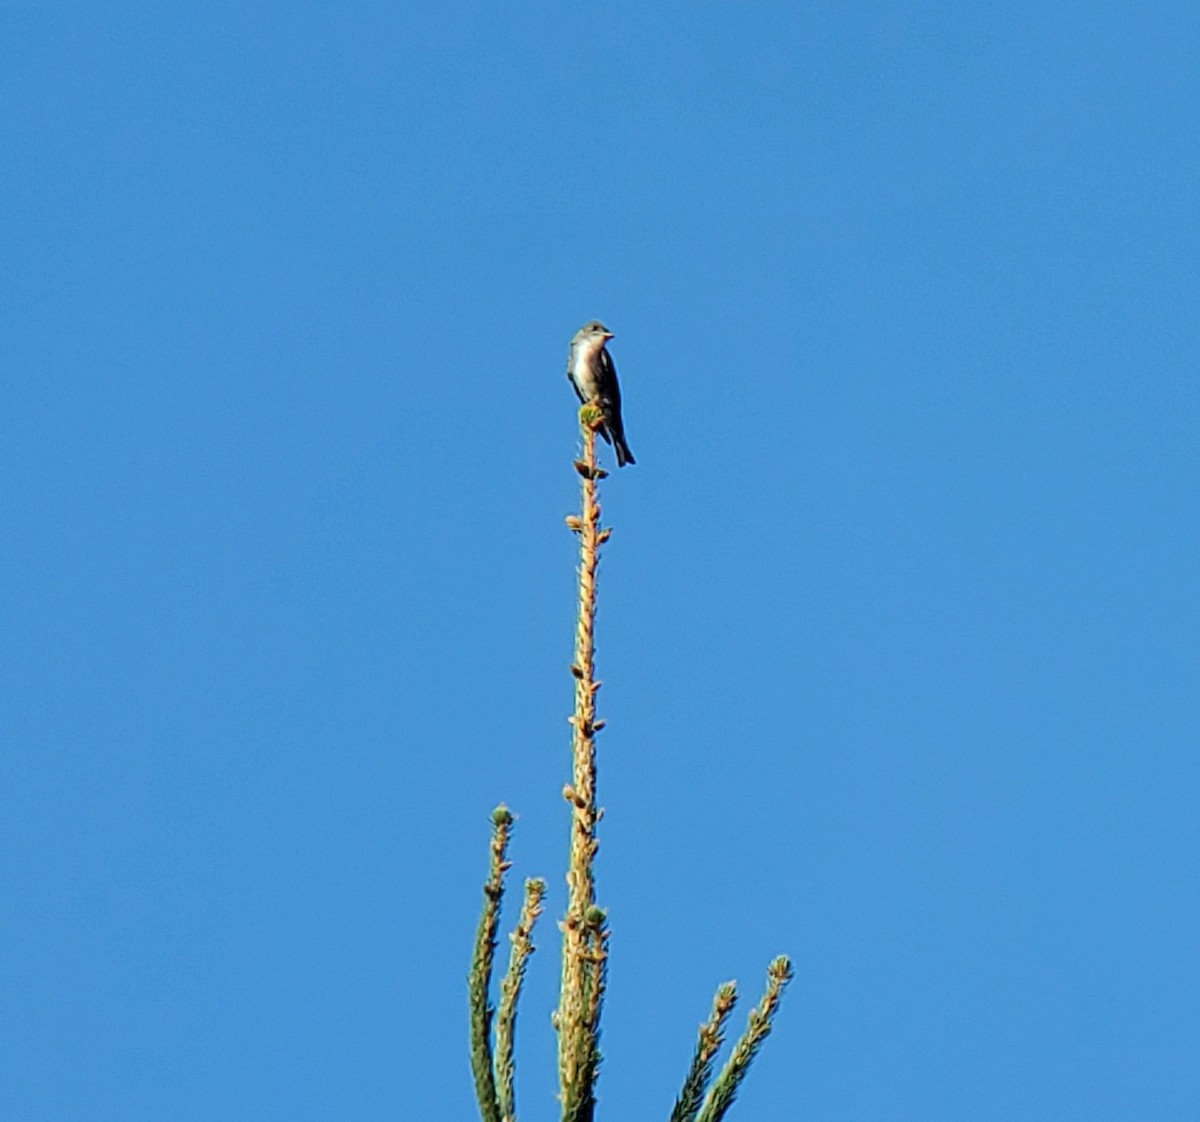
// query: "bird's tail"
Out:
[624,456]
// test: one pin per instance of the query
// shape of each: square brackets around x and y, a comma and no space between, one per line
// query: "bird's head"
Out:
[594,329]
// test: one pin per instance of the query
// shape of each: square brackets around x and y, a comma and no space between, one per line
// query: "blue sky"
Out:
[898,622]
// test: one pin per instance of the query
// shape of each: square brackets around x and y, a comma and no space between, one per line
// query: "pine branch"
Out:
[721,1095]
[585,935]
[687,1106]
[510,991]
[480,977]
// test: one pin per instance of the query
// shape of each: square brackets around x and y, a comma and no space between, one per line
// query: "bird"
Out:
[590,370]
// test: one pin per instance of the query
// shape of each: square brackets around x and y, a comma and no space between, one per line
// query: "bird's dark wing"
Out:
[610,392]
[610,397]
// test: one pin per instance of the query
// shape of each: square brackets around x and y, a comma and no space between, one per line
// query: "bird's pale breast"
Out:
[583,372]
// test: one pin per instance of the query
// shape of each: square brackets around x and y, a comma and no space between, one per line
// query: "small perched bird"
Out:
[591,371]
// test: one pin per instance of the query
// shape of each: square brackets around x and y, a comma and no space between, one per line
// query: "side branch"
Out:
[480,977]
[691,1098]
[721,1095]
[510,990]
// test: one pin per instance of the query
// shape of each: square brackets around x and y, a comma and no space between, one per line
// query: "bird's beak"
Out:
[609,335]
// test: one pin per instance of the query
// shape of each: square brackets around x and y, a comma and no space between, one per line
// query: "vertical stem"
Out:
[584,935]
[583,825]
